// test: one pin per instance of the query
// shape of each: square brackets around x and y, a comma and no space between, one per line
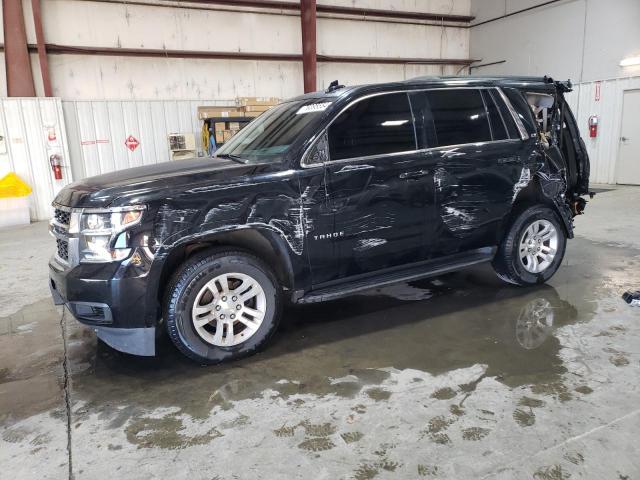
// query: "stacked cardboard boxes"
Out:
[225,130]
[246,107]
[254,106]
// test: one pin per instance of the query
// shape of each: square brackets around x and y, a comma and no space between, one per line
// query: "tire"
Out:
[202,335]
[508,262]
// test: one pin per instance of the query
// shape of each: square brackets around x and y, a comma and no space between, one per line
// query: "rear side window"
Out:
[522,108]
[459,117]
[510,123]
[498,128]
[373,126]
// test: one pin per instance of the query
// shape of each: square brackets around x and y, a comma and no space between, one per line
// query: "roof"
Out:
[537,83]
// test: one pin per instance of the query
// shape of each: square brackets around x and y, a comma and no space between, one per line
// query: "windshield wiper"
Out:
[231,156]
[237,158]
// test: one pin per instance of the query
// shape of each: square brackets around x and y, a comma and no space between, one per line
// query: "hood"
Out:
[143,184]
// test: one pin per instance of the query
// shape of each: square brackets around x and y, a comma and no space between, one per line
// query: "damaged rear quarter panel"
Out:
[475,187]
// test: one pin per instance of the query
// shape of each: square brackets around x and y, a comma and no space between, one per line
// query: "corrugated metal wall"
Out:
[603,150]
[26,124]
[98,131]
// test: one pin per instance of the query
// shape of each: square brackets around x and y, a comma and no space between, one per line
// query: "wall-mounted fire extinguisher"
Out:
[593,126]
[56,165]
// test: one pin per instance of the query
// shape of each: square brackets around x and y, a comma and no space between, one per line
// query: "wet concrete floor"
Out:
[456,377]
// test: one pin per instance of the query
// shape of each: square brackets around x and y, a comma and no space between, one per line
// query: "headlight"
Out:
[103,233]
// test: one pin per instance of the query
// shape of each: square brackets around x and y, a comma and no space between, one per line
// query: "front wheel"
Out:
[533,248]
[222,306]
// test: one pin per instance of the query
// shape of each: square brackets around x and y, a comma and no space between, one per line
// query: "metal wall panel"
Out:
[603,150]
[25,124]
[98,131]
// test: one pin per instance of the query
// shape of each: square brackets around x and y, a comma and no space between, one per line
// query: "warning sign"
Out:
[131,142]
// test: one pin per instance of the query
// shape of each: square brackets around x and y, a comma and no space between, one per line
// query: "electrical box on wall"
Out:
[182,145]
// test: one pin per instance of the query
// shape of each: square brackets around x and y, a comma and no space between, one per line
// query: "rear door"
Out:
[478,154]
[379,188]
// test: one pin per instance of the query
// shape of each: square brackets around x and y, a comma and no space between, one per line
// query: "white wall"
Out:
[97,131]
[603,150]
[579,39]
[219,28]
[25,122]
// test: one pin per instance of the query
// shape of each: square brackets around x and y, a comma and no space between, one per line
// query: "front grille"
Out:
[62,216]
[59,227]
[63,249]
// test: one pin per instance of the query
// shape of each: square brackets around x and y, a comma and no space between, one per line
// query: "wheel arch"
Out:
[534,194]
[261,242]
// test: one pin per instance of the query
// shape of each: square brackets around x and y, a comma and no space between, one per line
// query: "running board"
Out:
[431,268]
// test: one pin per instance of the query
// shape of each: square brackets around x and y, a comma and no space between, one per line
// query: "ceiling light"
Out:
[630,61]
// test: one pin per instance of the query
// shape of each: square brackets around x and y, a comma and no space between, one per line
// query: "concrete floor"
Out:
[458,377]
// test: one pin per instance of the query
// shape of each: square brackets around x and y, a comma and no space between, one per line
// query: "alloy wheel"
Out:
[538,246]
[229,309]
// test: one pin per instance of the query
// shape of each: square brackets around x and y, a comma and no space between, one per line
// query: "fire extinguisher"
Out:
[593,126]
[56,166]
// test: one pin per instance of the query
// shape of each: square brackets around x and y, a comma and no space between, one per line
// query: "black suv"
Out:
[324,195]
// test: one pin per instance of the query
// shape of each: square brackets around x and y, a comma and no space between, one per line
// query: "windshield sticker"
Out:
[314,107]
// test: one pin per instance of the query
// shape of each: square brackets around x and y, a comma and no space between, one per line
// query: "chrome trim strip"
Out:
[56,223]
[128,208]
[57,235]
[523,131]
[64,208]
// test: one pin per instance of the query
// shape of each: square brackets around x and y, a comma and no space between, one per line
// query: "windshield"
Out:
[273,132]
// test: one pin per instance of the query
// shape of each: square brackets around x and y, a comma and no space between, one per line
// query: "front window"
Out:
[273,132]
[378,125]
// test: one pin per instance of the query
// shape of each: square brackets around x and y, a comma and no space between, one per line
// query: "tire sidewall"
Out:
[522,223]
[189,285]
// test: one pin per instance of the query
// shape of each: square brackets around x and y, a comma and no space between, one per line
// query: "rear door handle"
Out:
[416,174]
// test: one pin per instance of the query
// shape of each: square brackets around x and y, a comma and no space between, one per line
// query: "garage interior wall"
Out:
[581,40]
[33,129]
[3,72]
[197,26]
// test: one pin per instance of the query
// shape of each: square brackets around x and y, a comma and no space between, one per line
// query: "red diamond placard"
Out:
[131,142]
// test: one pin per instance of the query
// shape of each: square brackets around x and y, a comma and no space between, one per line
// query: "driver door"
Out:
[378,188]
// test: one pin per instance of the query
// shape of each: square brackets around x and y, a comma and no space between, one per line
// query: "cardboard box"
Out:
[219,128]
[235,126]
[256,108]
[227,135]
[257,101]
[213,112]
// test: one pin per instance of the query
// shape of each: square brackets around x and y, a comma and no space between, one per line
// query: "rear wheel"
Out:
[222,306]
[533,247]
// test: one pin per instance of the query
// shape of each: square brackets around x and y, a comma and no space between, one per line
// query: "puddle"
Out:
[448,362]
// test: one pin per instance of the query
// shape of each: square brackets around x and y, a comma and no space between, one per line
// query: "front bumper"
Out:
[112,299]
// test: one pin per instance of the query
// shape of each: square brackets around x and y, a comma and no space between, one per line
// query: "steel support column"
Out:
[42,49]
[16,53]
[308,19]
